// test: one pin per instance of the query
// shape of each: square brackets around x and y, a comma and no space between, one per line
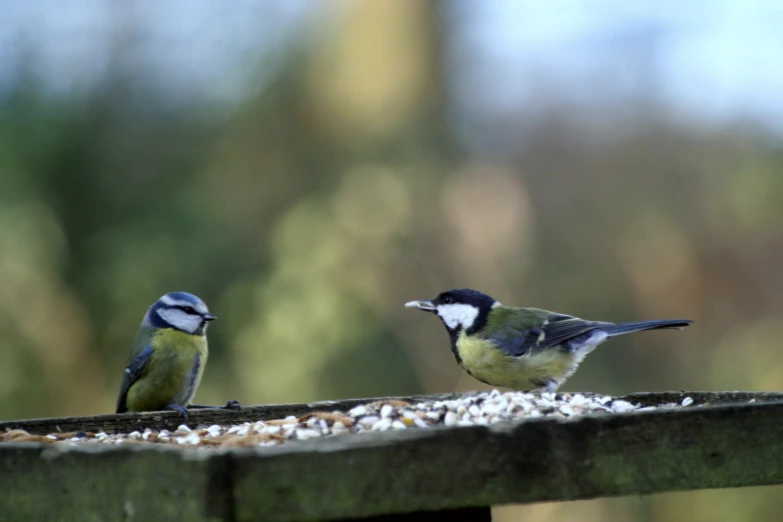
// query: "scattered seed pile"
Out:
[479,409]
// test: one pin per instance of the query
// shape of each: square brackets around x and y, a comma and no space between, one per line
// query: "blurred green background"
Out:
[308,167]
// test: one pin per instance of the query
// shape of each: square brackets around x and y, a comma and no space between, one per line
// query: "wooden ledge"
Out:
[128,422]
[731,443]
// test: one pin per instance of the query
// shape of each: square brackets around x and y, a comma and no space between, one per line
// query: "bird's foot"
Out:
[232,405]
[181,409]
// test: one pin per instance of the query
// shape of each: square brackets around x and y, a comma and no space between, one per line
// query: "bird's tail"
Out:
[637,326]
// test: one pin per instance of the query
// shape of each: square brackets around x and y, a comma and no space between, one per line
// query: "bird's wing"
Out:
[131,374]
[519,330]
[562,328]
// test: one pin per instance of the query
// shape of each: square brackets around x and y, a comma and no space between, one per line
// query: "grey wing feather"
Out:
[565,328]
[131,374]
[518,340]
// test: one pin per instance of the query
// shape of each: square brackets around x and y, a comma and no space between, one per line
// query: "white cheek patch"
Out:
[455,315]
[179,319]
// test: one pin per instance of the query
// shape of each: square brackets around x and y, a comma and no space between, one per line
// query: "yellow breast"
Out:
[172,374]
[486,362]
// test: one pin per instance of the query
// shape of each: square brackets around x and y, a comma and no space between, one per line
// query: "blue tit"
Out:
[526,349]
[168,356]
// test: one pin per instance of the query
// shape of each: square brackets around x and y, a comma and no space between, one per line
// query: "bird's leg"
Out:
[181,409]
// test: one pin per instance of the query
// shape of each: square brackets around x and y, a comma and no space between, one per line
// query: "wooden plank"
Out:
[372,474]
[128,422]
[125,423]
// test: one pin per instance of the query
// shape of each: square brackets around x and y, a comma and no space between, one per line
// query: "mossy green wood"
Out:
[100,484]
[370,474]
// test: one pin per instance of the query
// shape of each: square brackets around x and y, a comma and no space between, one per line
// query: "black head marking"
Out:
[465,296]
[155,319]
[482,302]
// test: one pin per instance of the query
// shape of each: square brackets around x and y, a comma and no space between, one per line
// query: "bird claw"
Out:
[233,405]
[181,409]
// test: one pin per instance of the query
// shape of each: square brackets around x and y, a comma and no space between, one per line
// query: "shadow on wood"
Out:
[482,514]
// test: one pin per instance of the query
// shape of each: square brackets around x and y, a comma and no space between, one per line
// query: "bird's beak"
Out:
[209,317]
[427,306]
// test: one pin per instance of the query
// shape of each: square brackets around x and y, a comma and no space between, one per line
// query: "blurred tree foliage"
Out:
[306,215]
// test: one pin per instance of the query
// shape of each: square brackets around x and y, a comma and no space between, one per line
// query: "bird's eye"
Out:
[447,299]
[188,309]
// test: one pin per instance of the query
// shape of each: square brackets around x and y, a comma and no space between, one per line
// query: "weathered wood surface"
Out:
[127,422]
[728,444]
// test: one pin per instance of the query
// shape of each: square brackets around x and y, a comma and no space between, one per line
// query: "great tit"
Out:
[526,349]
[168,356]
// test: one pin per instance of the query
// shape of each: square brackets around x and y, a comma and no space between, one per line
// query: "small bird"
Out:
[168,356]
[527,349]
